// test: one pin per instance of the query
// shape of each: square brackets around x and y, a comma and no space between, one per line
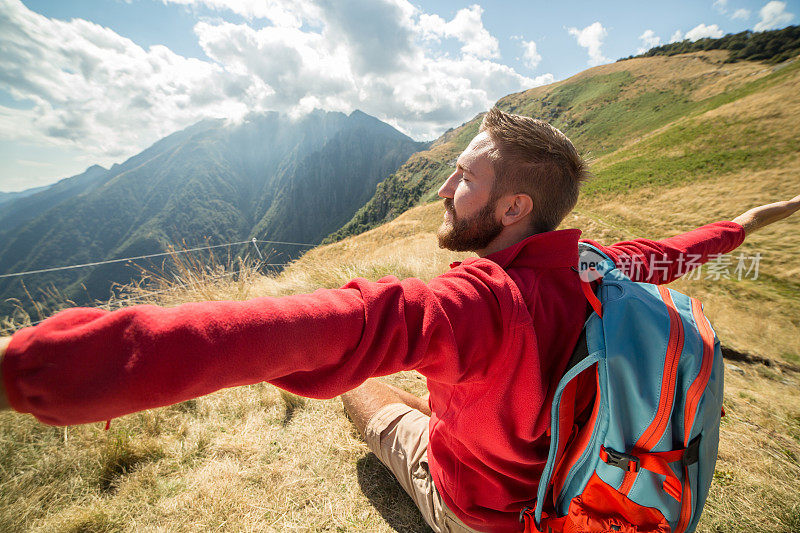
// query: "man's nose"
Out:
[447,189]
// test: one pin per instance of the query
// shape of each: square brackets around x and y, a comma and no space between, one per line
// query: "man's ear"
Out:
[516,208]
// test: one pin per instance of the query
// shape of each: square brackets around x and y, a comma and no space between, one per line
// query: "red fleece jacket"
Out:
[493,335]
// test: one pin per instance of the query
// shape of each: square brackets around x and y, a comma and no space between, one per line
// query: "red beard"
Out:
[469,234]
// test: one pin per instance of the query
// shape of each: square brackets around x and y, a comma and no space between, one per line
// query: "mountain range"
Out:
[269,177]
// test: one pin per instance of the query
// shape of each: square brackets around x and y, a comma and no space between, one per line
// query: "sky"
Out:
[86,82]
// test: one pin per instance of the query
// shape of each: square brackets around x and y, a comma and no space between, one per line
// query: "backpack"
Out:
[644,459]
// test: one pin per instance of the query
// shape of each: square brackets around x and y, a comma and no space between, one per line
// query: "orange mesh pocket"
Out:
[601,508]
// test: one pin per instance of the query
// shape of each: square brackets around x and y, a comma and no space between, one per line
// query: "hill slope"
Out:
[665,105]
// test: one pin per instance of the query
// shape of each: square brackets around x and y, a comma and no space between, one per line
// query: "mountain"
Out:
[270,177]
[6,197]
[627,115]
[23,208]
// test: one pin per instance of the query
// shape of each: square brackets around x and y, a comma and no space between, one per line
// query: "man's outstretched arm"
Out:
[764,215]
[668,259]
[85,365]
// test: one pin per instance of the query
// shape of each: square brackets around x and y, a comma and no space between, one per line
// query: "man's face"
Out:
[470,219]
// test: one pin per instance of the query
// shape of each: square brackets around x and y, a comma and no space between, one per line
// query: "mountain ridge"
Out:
[213,182]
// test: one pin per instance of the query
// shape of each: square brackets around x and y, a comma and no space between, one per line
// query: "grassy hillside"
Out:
[721,138]
[680,112]
[253,459]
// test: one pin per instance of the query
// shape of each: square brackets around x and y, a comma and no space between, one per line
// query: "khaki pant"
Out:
[398,435]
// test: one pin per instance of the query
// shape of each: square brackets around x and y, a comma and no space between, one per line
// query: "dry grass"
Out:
[755,483]
[254,459]
[238,460]
[247,459]
[706,72]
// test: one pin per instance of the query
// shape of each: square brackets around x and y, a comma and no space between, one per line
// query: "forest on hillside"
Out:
[769,46]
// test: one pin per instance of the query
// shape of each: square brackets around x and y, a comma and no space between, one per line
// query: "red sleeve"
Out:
[85,365]
[666,260]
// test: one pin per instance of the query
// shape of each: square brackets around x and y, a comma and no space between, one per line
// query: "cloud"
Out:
[278,12]
[743,14]
[345,63]
[467,27]
[530,55]
[92,88]
[721,6]
[701,31]
[591,37]
[676,37]
[29,163]
[773,16]
[102,93]
[649,40]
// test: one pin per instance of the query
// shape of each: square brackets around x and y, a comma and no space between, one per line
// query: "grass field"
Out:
[253,459]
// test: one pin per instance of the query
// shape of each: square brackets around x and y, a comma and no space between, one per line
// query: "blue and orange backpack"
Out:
[644,459]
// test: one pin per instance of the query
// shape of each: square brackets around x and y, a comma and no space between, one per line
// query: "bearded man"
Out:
[492,335]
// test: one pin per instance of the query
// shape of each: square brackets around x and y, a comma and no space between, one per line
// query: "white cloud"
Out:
[279,12]
[649,40]
[721,5]
[743,14]
[676,37]
[701,31]
[773,16]
[97,91]
[591,37]
[467,27]
[530,55]
[376,57]
[92,88]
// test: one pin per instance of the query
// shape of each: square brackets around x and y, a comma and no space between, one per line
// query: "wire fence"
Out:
[124,301]
[149,256]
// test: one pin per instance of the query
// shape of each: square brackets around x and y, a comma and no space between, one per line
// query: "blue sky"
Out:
[91,81]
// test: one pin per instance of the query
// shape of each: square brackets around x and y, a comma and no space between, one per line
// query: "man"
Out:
[493,335]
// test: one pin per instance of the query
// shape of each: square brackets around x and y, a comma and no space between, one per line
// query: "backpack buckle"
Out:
[692,453]
[629,463]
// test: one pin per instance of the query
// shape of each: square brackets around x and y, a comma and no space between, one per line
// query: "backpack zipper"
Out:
[700,382]
[653,434]
[693,397]
[575,467]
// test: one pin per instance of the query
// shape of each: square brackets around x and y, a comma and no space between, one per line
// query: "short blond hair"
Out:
[536,159]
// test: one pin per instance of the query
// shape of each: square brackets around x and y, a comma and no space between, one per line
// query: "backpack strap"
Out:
[585,249]
[657,462]
[580,352]
[594,301]
[597,263]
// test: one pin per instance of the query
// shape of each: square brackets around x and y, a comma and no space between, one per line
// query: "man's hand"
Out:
[761,216]
[3,399]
